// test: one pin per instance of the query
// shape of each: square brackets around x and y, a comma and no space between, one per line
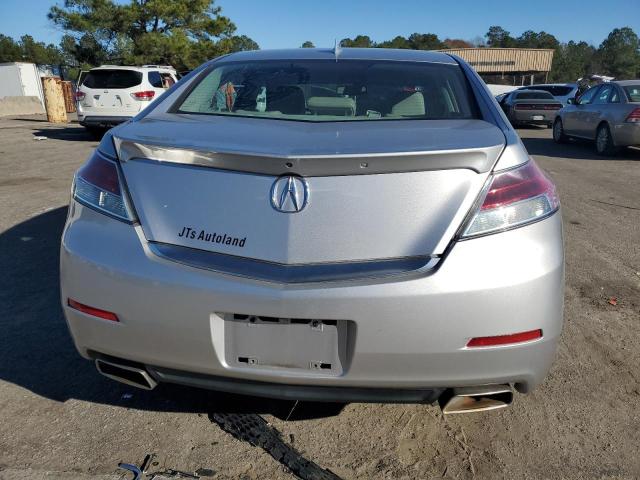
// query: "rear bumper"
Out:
[320,393]
[410,333]
[104,121]
[526,116]
[626,134]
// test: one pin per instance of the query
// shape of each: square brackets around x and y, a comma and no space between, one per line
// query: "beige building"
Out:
[518,63]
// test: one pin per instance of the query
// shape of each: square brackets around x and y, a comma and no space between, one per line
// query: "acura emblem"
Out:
[289,194]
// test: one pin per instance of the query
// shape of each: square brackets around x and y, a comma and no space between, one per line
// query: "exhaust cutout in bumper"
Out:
[476,399]
[134,376]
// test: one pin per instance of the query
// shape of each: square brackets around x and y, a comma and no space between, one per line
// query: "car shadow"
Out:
[72,134]
[37,352]
[42,118]
[26,119]
[531,126]
[575,149]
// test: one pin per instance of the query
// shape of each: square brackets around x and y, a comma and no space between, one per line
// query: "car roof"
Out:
[344,54]
[533,87]
[134,67]
[626,82]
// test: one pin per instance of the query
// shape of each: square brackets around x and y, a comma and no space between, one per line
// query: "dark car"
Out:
[530,107]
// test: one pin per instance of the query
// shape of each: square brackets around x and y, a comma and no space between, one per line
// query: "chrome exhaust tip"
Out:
[476,399]
[134,376]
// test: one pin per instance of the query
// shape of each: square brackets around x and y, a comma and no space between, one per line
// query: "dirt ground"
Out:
[59,419]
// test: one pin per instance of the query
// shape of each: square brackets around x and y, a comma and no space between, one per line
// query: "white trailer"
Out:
[500,89]
[21,79]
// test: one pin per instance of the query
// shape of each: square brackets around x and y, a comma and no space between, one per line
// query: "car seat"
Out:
[287,99]
[411,106]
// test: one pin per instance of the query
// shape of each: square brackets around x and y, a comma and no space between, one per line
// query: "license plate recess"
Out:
[267,343]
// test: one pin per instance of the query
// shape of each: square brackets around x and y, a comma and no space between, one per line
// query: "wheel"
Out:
[558,132]
[604,141]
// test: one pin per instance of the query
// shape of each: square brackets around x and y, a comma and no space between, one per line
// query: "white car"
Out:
[560,91]
[110,95]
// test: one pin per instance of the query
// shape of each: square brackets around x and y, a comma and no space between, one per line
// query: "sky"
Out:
[288,23]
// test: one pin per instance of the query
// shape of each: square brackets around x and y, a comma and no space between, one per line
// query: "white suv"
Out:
[109,95]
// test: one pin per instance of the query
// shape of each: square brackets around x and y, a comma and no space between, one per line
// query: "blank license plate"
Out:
[537,117]
[317,346]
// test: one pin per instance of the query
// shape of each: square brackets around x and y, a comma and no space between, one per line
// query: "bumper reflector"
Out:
[505,339]
[96,312]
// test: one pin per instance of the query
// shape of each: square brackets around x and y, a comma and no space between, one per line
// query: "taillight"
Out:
[505,339]
[143,96]
[634,116]
[538,106]
[80,96]
[514,198]
[95,312]
[97,185]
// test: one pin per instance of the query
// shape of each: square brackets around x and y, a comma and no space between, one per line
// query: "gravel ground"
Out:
[59,419]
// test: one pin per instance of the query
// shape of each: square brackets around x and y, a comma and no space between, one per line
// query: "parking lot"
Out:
[59,419]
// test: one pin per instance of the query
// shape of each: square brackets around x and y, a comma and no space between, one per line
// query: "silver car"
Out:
[339,225]
[608,113]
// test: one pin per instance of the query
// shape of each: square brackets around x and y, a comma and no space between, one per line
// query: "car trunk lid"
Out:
[376,190]
[537,104]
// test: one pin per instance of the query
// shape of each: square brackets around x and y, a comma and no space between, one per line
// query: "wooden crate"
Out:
[69,100]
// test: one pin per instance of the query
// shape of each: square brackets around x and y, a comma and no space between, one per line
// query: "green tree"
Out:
[397,42]
[85,51]
[183,33]
[498,37]
[308,44]
[531,39]
[10,51]
[28,50]
[425,41]
[360,41]
[416,41]
[238,43]
[620,54]
[572,61]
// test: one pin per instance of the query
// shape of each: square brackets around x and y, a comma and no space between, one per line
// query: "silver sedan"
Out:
[608,114]
[340,225]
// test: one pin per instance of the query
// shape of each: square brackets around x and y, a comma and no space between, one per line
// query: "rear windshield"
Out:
[534,95]
[112,79]
[633,92]
[555,90]
[332,91]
